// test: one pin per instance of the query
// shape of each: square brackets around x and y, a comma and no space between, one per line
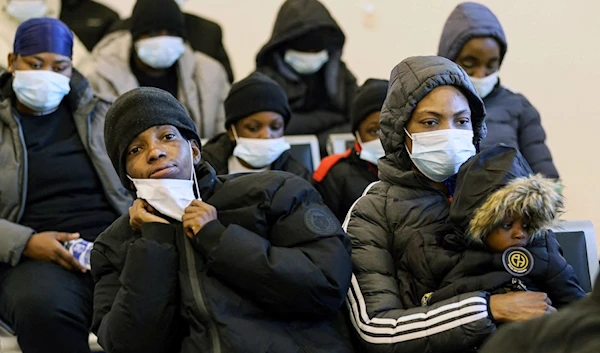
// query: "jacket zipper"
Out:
[23,171]
[195,284]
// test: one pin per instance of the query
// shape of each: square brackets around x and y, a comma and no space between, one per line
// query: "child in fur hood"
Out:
[499,204]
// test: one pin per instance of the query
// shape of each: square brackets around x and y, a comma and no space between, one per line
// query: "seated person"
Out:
[342,178]
[573,329]
[304,57]
[14,12]
[498,204]
[256,112]
[203,35]
[247,263]
[154,54]
[432,121]
[56,185]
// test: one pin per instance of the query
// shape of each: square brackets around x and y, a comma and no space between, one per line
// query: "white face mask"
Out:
[169,196]
[484,86]
[23,10]
[439,154]
[259,153]
[40,90]
[370,151]
[306,63]
[160,52]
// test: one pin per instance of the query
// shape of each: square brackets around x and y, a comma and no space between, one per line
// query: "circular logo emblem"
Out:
[320,222]
[517,261]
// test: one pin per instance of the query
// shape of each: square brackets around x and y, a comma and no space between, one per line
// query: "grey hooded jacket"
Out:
[510,118]
[391,214]
[88,114]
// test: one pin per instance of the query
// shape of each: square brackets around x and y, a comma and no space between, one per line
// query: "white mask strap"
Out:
[193,176]
[235,135]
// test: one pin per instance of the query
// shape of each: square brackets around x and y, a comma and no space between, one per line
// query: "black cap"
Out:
[369,98]
[317,40]
[256,93]
[136,111]
[155,15]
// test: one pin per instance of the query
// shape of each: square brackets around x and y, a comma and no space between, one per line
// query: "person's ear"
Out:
[11,63]
[196,155]
[230,133]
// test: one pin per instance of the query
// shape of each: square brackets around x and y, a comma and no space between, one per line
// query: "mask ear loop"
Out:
[193,176]
[235,135]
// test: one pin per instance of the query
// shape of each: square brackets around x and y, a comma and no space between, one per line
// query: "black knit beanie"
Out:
[256,93]
[155,15]
[136,111]
[369,98]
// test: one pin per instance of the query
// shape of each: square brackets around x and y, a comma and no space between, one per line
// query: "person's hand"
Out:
[520,306]
[196,216]
[48,246]
[141,212]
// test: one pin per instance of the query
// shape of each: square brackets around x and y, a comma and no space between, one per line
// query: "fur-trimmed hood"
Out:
[496,182]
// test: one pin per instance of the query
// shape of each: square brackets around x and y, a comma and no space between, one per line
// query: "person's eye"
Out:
[374,132]
[35,66]
[467,64]
[464,121]
[507,226]
[60,69]
[253,128]
[431,122]
[277,127]
[525,226]
[169,136]
[134,150]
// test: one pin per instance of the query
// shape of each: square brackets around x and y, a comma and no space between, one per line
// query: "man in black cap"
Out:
[304,57]
[250,263]
[342,178]
[256,112]
[154,54]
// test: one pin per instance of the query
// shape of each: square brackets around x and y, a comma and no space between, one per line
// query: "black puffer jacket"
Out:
[270,275]
[89,20]
[395,211]
[203,35]
[342,179]
[510,118]
[492,184]
[218,150]
[296,18]
[573,329]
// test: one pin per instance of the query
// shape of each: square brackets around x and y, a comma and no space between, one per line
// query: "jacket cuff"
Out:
[208,237]
[489,309]
[159,232]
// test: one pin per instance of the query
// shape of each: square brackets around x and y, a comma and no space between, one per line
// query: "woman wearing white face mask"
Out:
[342,178]
[431,123]
[56,185]
[474,39]
[154,53]
[304,57]
[256,113]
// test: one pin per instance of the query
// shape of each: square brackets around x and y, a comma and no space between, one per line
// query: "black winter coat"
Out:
[332,113]
[89,20]
[203,35]
[344,182]
[218,150]
[573,329]
[270,275]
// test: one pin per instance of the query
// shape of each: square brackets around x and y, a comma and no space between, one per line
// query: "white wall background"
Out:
[553,58]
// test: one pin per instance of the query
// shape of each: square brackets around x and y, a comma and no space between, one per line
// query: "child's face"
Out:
[514,231]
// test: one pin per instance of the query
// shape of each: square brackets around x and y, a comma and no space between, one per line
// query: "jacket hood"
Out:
[295,18]
[410,81]
[497,182]
[467,21]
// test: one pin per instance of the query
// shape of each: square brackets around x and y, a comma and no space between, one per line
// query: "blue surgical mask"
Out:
[439,154]
[160,52]
[306,63]
[40,90]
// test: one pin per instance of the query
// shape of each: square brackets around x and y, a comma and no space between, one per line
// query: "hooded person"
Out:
[474,39]
[256,112]
[501,214]
[154,53]
[304,57]
[431,123]
[14,12]
[572,329]
[50,121]
[202,35]
[342,178]
[164,273]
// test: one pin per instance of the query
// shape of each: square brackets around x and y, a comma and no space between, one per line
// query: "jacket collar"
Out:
[208,182]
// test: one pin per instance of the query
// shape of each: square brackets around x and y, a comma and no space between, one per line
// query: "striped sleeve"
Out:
[377,313]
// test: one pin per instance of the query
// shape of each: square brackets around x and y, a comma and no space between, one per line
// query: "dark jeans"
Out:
[49,307]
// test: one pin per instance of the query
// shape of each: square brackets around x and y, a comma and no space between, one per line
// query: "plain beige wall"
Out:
[553,58]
